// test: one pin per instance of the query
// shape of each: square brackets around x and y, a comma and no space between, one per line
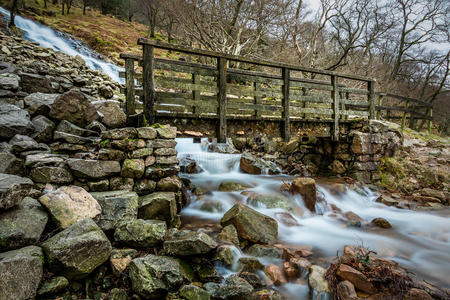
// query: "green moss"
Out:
[105,143]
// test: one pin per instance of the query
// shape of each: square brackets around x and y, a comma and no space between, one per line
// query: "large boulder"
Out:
[78,250]
[252,165]
[22,225]
[69,204]
[111,113]
[184,243]
[14,120]
[13,189]
[21,272]
[152,276]
[75,107]
[39,103]
[306,187]
[251,225]
[159,206]
[117,206]
[93,169]
[141,233]
[234,287]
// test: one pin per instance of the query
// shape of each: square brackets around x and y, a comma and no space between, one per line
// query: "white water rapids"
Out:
[49,38]
[419,241]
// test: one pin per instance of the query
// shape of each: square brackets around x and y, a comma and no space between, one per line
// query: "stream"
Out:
[419,241]
[49,38]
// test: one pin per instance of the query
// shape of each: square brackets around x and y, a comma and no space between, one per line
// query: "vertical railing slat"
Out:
[404,114]
[195,93]
[335,96]
[257,98]
[129,83]
[149,84]
[285,115]
[371,89]
[222,98]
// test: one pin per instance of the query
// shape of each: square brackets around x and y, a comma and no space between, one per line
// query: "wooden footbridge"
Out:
[219,87]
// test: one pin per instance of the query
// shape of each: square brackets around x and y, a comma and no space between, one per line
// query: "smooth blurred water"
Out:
[419,241]
[50,38]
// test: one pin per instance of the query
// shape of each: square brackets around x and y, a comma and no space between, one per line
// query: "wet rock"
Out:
[53,286]
[425,199]
[192,292]
[301,264]
[78,250]
[13,189]
[381,222]
[144,186]
[22,225]
[417,294]
[152,276]
[358,279]
[353,219]
[120,259]
[133,168]
[69,204]
[34,83]
[14,120]
[387,200]
[250,264]
[229,234]
[253,165]
[251,225]
[275,274]
[226,254]
[75,107]
[270,201]
[189,166]
[290,270]
[267,294]
[265,251]
[93,169]
[427,192]
[21,272]
[111,113]
[317,281]
[116,206]
[9,81]
[286,219]
[148,133]
[169,184]
[48,174]
[39,103]
[211,206]
[306,187]
[184,243]
[140,233]
[234,287]
[338,167]
[346,290]
[10,164]
[230,186]
[43,129]
[159,206]
[167,132]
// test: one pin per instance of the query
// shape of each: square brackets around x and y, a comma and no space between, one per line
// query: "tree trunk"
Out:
[62,7]
[45,3]
[12,13]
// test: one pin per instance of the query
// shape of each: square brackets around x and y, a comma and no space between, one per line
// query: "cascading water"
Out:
[50,38]
[417,240]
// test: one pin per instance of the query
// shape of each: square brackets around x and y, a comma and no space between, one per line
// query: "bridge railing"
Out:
[222,90]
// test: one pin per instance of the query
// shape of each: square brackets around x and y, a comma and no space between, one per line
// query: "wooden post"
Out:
[257,98]
[148,84]
[342,104]
[222,99]
[129,82]
[380,103]
[285,115]
[335,96]
[371,96]
[430,122]
[404,115]
[195,93]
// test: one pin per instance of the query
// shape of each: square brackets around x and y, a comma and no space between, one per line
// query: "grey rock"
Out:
[9,81]
[34,83]
[148,133]
[234,287]
[67,127]
[22,225]
[22,272]
[185,243]
[43,129]
[140,233]
[13,189]
[78,250]
[116,206]
[53,286]
[158,206]
[39,103]
[111,113]
[14,120]
[93,169]
[45,159]
[74,139]
[120,133]
[10,164]
[48,174]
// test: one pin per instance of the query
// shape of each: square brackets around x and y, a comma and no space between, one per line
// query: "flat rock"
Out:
[140,233]
[358,279]
[70,204]
[93,169]
[14,120]
[111,113]
[22,225]
[13,189]
[45,159]
[78,250]
[159,206]
[185,243]
[251,225]
[39,103]
[234,287]
[117,206]
[167,132]
[48,174]
[67,127]
[21,272]
[9,81]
